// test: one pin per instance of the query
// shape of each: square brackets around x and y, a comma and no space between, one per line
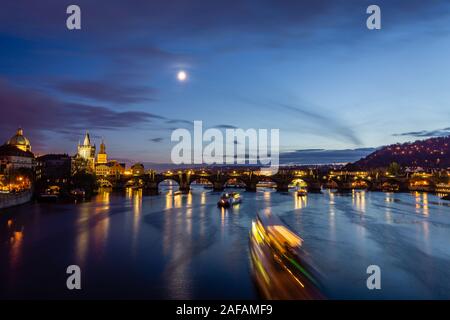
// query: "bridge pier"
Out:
[250,187]
[375,187]
[150,192]
[345,187]
[218,186]
[403,186]
[184,188]
[151,188]
[314,187]
[282,187]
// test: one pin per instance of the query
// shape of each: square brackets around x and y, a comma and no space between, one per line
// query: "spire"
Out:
[19,131]
[87,140]
[102,147]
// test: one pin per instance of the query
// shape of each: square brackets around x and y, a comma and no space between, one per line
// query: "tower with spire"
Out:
[86,151]
[102,157]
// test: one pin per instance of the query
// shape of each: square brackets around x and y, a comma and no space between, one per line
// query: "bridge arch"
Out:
[421,184]
[237,182]
[361,183]
[137,182]
[310,184]
[265,182]
[298,182]
[104,183]
[169,182]
[204,180]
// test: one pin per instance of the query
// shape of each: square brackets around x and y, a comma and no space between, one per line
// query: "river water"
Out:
[132,246]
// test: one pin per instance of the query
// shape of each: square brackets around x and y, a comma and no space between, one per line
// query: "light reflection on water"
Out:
[184,246]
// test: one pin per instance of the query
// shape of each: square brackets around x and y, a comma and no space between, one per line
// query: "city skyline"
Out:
[311,69]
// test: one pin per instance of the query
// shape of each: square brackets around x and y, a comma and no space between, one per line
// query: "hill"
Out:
[429,153]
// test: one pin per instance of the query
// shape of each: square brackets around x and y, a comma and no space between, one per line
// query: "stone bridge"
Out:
[218,179]
[314,180]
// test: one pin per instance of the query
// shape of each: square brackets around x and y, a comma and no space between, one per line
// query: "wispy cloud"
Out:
[104,91]
[179,121]
[425,133]
[225,126]
[327,123]
[40,113]
[322,156]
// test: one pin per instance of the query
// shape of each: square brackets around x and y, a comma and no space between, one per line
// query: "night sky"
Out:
[310,68]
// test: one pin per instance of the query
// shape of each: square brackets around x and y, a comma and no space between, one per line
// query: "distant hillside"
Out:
[429,153]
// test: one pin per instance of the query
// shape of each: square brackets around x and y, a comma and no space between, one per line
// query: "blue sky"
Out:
[310,68]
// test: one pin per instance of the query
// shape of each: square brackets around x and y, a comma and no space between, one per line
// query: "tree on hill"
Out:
[394,169]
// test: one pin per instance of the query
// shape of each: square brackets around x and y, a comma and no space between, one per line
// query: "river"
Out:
[132,246]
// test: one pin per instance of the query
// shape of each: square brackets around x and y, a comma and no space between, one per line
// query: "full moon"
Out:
[181,75]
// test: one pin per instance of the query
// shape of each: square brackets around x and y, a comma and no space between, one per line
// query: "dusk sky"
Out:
[310,68]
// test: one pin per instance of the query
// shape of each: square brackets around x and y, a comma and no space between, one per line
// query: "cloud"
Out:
[179,121]
[199,18]
[156,140]
[40,114]
[225,126]
[316,121]
[327,123]
[322,156]
[147,51]
[104,91]
[191,123]
[425,133]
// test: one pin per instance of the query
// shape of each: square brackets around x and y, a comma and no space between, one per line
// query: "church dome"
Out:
[20,141]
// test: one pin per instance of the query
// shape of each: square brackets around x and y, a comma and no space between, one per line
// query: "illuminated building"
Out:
[16,154]
[101,166]
[116,168]
[102,170]
[85,158]
[102,157]
[20,141]
[53,166]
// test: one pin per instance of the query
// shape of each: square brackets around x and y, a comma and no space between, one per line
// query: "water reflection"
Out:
[203,198]
[16,245]
[267,197]
[137,211]
[184,246]
[359,200]
[82,235]
[177,244]
[332,214]
[421,203]
[300,202]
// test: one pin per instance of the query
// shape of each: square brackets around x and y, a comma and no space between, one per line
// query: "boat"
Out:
[228,199]
[266,184]
[177,193]
[447,197]
[390,188]
[282,269]
[78,193]
[49,194]
[302,192]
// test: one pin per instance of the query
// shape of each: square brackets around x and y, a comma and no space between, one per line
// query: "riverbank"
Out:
[13,199]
